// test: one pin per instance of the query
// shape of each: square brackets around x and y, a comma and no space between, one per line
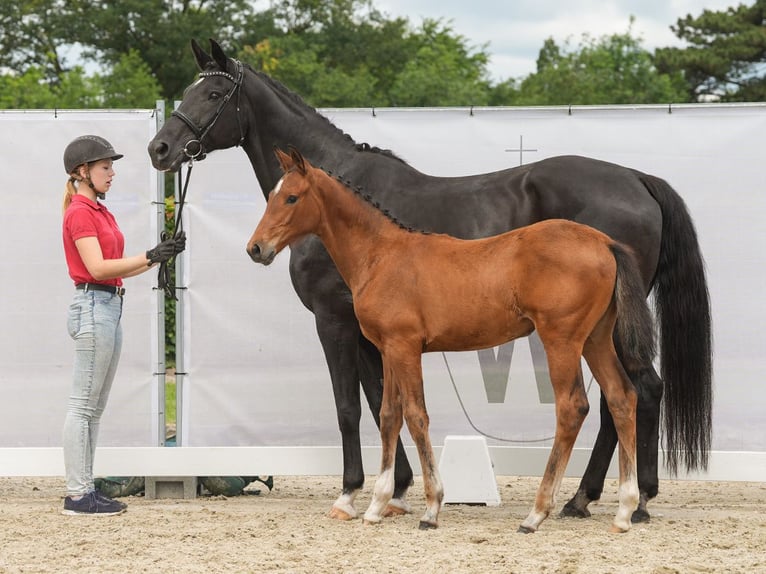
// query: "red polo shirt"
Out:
[86,218]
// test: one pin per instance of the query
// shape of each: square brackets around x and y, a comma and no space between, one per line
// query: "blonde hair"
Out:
[69,191]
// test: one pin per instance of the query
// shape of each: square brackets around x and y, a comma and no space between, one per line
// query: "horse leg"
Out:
[571,409]
[371,373]
[649,388]
[339,341]
[390,426]
[621,399]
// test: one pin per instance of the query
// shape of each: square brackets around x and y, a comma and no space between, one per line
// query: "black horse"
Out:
[232,104]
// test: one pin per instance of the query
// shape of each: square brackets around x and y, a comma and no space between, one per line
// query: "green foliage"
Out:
[345,53]
[170,303]
[726,56]
[443,71]
[31,90]
[342,53]
[130,84]
[610,70]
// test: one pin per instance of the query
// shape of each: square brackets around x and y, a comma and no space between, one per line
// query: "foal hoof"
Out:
[338,514]
[396,508]
[425,525]
[526,530]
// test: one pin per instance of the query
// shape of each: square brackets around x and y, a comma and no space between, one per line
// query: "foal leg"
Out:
[390,427]
[571,409]
[416,416]
[371,375]
[648,385]
[621,399]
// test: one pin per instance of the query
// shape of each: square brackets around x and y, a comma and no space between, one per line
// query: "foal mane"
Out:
[300,103]
[367,198]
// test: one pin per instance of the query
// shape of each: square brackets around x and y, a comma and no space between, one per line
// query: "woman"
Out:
[93,245]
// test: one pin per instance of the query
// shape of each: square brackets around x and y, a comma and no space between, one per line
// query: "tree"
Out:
[611,70]
[157,30]
[130,84]
[726,56]
[443,71]
[346,53]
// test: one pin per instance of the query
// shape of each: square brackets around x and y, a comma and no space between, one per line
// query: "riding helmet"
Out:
[86,149]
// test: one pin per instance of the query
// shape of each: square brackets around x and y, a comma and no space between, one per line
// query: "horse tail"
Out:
[635,326]
[682,306]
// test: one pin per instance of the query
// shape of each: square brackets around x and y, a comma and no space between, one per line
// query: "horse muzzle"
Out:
[261,253]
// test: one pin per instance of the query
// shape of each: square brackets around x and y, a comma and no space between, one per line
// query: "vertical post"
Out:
[160,294]
[181,297]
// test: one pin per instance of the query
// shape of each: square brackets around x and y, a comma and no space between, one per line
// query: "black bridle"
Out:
[164,279]
[201,131]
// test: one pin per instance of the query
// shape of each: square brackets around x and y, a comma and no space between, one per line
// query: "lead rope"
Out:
[164,278]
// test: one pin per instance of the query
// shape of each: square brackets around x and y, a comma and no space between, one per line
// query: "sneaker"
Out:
[91,504]
[105,499]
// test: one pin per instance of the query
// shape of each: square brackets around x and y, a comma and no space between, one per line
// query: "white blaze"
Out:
[278,186]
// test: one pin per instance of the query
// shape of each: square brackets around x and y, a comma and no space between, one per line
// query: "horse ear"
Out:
[200,55]
[297,158]
[220,58]
[285,161]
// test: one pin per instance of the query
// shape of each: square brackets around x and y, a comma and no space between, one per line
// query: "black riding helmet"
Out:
[86,149]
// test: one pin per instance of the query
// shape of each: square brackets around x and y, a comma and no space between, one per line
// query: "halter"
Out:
[200,131]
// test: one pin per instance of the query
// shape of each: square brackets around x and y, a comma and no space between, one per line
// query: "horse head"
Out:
[209,116]
[291,213]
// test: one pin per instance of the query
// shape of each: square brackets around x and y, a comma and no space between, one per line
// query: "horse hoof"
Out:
[425,525]
[338,514]
[574,512]
[639,516]
[526,530]
[618,530]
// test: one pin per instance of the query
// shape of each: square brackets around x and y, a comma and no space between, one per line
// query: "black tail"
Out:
[682,305]
[635,326]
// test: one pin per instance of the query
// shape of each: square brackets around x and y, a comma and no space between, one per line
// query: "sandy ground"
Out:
[695,527]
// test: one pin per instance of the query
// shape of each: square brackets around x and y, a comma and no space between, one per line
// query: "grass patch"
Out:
[170,402]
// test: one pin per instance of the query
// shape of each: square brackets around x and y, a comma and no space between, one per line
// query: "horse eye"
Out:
[291,199]
[214,96]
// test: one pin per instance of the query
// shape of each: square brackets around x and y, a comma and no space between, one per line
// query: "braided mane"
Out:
[367,198]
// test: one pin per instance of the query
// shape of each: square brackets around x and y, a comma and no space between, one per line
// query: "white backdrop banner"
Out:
[256,373]
[36,353]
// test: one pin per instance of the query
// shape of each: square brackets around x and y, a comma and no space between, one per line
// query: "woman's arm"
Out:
[102,269]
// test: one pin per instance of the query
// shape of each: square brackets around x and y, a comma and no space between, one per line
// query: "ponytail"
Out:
[68,193]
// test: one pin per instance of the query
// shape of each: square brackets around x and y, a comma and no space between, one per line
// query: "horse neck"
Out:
[277,117]
[353,231]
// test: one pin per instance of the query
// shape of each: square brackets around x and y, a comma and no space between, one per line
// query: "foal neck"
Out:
[354,230]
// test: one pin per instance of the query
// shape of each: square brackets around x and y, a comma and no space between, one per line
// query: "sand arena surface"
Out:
[695,527]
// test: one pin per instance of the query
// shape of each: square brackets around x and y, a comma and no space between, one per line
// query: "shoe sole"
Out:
[66,512]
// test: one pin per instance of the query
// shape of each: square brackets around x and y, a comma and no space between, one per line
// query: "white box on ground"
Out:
[467,472]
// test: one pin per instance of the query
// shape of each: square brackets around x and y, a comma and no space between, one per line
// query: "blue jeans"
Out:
[94,324]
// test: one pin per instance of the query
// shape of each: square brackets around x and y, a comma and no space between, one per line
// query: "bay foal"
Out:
[416,293]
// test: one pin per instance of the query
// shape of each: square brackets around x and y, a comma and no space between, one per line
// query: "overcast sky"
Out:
[514,30]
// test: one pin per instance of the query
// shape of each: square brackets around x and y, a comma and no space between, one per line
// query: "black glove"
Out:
[179,242]
[163,251]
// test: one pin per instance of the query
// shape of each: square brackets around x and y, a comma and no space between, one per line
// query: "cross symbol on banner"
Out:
[521,150]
